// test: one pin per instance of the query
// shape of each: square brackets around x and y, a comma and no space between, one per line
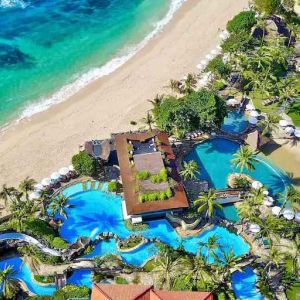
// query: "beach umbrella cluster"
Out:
[254,228]
[232,102]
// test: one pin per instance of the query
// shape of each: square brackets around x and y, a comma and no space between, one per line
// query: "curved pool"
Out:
[23,273]
[235,122]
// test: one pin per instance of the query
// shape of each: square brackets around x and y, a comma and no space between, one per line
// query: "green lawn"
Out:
[294,113]
[294,292]
[257,99]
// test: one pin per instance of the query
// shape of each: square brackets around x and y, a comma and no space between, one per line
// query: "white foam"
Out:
[70,89]
[13,3]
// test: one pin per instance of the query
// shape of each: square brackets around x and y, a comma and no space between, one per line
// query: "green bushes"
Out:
[236,42]
[59,243]
[131,242]
[89,249]
[44,279]
[244,21]
[218,85]
[120,280]
[162,176]
[218,67]
[143,175]
[113,186]
[154,196]
[84,164]
[71,291]
[135,227]
[267,7]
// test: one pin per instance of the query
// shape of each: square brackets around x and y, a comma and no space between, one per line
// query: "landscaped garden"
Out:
[247,248]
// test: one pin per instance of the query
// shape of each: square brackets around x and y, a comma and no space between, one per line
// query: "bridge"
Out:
[227,196]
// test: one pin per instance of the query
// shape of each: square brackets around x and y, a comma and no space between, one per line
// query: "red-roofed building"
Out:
[142,292]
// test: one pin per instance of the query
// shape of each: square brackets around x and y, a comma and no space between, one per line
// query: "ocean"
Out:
[49,49]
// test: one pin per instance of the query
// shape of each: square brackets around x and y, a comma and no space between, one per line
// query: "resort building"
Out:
[99,149]
[142,292]
[151,183]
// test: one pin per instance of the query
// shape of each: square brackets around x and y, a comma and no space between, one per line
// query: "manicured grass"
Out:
[150,265]
[294,113]
[121,280]
[257,99]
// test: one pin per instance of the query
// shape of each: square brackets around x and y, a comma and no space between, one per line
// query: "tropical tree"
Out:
[275,258]
[27,185]
[287,90]
[292,196]
[157,100]
[6,193]
[244,158]
[207,203]
[269,124]
[43,200]
[168,268]
[190,170]
[293,30]
[149,120]
[174,85]
[30,256]
[59,205]
[8,283]
[190,83]
[210,246]
[256,196]
[247,211]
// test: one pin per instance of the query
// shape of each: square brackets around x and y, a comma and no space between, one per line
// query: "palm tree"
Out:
[247,211]
[43,200]
[261,23]
[293,30]
[292,196]
[190,83]
[59,205]
[269,124]
[244,158]
[8,282]
[287,90]
[167,269]
[207,202]
[27,185]
[30,256]
[157,100]
[256,197]
[174,86]
[210,245]
[275,258]
[149,120]
[190,170]
[5,193]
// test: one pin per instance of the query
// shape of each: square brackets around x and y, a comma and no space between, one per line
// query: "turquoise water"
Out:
[243,284]
[81,277]
[236,122]
[47,44]
[23,273]
[214,159]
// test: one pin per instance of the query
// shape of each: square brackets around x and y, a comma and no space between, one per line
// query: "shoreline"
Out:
[46,142]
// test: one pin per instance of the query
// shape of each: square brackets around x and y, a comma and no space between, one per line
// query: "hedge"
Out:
[244,21]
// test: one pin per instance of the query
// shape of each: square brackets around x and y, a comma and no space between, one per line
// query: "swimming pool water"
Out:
[23,273]
[214,159]
[235,122]
[243,284]
[81,277]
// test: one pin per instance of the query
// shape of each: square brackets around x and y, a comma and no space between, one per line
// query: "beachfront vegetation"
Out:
[84,164]
[113,186]
[58,206]
[8,283]
[267,7]
[242,22]
[196,110]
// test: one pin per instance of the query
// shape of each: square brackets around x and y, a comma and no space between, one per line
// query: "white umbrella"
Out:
[71,168]
[256,185]
[64,171]
[266,193]
[46,182]
[297,133]
[34,195]
[289,130]
[288,214]
[254,113]
[252,120]
[249,106]
[283,123]
[38,187]
[276,210]
[232,101]
[255,228]
[268,201]
[297,217]
[55,176]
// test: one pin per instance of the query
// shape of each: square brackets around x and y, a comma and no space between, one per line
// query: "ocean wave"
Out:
[13,4]
[72,88]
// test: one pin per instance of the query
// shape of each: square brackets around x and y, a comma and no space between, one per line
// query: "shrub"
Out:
[133,122]
[236,42]
[135,227]
[243,21]
[84,164]
[59,243]
[44,279]
[113,186]
[169,193]
[71,291]
[218,85]
[217,66]
[143,175]
[120,280]
[162,196]
[267,7]
[89,249]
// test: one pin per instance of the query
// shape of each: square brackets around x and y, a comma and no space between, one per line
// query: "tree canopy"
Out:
[84,164]
[244,21]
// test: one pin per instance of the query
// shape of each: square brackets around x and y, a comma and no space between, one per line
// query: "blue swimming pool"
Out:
[23,273]
[81,277]
[235,122]
[243,284]
[214,159]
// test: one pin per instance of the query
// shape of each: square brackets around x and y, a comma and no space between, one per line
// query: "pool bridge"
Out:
[227,196]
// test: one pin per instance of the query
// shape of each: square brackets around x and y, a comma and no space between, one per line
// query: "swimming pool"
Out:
[81,277]
[235,122]
[244,285]
[214,159]
[24,273]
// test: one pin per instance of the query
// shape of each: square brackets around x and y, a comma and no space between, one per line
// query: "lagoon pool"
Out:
[23,273]
[244,285]
[214,159]
[235,122]
[81,277]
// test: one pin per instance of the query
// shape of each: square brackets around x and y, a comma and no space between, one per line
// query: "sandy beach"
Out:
[47,141]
